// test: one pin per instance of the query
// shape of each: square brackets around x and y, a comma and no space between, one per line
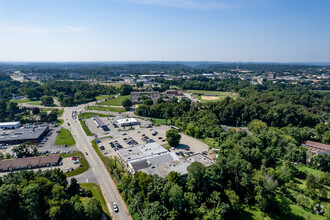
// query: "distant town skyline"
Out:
[283,31]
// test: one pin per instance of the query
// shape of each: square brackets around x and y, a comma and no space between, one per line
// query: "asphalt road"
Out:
[97,168]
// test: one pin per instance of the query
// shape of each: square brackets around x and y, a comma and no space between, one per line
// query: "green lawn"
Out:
[65,137]
[21,100]
[303,168]
[97,194]
[160,121]
[34,103]
[87,115]
[104,108]
[82,160]
[221,95]
[59,122]
[100,97]
[86,129]
[116,101]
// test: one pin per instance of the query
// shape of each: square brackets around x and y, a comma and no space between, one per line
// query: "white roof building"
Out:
[124,122]
[10,125]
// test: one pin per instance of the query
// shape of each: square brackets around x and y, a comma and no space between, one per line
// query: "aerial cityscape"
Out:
[164,109]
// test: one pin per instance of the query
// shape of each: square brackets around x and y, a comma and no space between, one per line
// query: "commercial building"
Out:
[30,162]
[143,156]
[317,147]
[155,159]
[21,135]
[126,122]
[10,125]
[180,166]
[100,122]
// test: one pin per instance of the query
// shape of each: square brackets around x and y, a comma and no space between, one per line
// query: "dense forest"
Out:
[44,195]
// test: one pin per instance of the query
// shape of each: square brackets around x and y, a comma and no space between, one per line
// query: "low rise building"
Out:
[143,156]
[21,135]
[126,122]
[317,147]
[180,166]
[30,162]
[137,97]
[10,125]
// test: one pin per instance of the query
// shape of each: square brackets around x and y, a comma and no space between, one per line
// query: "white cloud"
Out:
[203,4]
[40,30]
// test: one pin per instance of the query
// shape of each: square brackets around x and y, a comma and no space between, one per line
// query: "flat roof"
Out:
[141,152]
[22,134]
[179,166]
[126,120]
[10,123]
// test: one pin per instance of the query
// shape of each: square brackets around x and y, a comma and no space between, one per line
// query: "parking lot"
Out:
[139,134]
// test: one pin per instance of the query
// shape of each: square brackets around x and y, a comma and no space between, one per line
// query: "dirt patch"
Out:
[210,97]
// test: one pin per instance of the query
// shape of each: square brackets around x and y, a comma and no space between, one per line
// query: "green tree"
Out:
[47,100]
[127,103]
[93,209]
[173,137]
[125,89]
[74,187]
[148,102]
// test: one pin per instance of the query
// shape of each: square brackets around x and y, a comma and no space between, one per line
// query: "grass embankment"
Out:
[65,137]
[100,97]
[219,95]
[104,108]
[97,194]
[86,129]
[116,101]
[113,166]
[87,115]
[84,165]
[59,122]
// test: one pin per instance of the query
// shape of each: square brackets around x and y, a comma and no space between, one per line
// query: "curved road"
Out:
[97,167]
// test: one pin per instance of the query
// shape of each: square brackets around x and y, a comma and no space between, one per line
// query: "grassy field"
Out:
[82,161]
[65,137]
[104,108]
[116,101]
[34,103]
[87,115]
[220,95]
[303,168]
[86,129]
[100,97]
[22,100]
[160,121]
[97,194]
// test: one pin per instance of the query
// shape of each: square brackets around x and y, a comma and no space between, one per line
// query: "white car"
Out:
[115,207]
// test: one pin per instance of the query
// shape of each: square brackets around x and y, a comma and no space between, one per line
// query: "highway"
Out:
[97,167]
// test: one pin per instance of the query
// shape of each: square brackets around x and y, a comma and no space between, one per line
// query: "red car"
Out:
[187,149]
[160,138]
[74,158]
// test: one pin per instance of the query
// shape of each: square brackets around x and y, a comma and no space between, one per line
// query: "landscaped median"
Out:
[87,115]
[85,128]
[84,165]
[97,194]
[65,138]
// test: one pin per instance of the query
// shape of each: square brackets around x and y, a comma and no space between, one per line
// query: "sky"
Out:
[165,30]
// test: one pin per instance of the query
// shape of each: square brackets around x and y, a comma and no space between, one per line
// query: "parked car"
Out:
[67,170]
[124,133]
[86,153]
[102,148]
